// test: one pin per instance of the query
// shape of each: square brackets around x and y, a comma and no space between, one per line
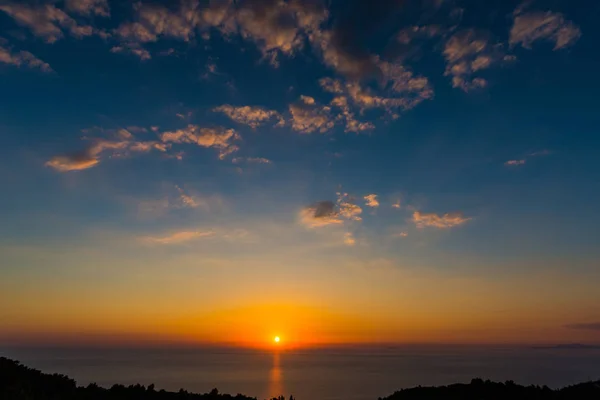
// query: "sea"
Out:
[359,373]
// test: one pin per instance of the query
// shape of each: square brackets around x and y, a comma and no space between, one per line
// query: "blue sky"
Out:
[441,140]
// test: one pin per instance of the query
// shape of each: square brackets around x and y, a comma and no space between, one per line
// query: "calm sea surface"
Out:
[348,374]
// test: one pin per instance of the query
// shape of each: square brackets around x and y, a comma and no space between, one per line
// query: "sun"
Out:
[276,339]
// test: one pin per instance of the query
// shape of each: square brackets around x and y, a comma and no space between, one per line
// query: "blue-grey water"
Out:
[348,374]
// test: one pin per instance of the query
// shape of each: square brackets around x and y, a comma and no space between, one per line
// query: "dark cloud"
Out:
[323,209]
[590,326]
[351,30]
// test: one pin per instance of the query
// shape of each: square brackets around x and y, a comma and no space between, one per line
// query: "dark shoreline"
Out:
[18,382]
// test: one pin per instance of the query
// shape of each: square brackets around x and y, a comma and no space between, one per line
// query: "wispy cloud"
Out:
[450,220]
[538,25]
[309,117]
[251,160]
[45,21]
[466,53]
[397,205]
[347,207]
[251,116]
[319,214]
[121,144]
[179,237]
[134,49]
[88,7]
[219,138]
[522,161]
[22,59]
[515,163]
[349,239]
[371,200]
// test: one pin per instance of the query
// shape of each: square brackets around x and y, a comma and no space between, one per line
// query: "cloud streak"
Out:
[251,116]
[431,220]
[178,237]
[23,59]
[534,26]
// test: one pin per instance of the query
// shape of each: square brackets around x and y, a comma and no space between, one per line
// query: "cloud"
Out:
[522,161]
[319,214]
[46,21]
[402,90]
[409,34]
[371,200]
[588,326]
[73,162]
[121,145]
[466,53]
[515,163]
[251,116]
[400,235]
[88,7]
[219,138]
[251,160]
[309,117]
[349,239]
[534,26]
[23,59]
[352,124]
[279,27]
[422,220]
[397,205]
[179,237]
[134,49]
[347,208]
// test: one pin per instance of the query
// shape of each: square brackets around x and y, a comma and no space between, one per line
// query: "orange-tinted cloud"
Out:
[537,25]
[179,237]
[319,214]
[251,116]
[449,220]
[219,138]
[309,117]
[371,200]
[22,58]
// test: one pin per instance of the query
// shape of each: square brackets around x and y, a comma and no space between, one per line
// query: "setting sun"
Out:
[277,339]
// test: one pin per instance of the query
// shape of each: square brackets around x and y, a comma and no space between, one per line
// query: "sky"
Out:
[329,172]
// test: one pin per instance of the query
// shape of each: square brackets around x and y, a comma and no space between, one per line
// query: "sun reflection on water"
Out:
[275,377]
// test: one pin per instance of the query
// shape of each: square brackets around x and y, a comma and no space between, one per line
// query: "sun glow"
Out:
[276,339]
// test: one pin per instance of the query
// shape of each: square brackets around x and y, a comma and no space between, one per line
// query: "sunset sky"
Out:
[328,172]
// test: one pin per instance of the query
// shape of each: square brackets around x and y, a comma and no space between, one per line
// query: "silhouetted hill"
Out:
[18,382]
[487,390]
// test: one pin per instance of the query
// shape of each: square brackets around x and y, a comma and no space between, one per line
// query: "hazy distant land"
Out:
[18,382]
